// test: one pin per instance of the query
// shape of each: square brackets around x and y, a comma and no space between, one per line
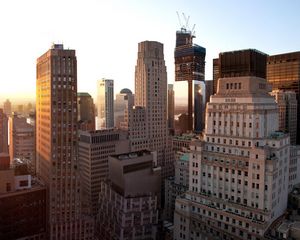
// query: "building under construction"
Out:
[190,67]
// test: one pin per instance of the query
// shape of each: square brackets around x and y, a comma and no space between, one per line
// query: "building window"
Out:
[8,187]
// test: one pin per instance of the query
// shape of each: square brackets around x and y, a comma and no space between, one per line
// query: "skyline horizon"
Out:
[106,43]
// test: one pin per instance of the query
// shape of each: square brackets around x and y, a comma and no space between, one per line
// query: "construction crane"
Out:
[185,27]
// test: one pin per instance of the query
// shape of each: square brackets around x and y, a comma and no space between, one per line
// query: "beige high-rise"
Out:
[56,142]
[147,120]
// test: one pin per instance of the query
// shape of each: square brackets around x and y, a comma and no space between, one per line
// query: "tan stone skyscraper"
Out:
[56,142]
[147,120]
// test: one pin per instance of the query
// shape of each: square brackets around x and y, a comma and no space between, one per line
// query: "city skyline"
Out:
[100,30]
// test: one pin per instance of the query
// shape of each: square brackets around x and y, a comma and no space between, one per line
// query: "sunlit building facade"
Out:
[283,73]
[56,143]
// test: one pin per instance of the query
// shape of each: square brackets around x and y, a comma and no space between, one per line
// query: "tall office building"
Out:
[7,107]
[56,143]
[283,73]
[3,132]
[287,106]
[239,172]
[22,141]
[247,62]
[147,120]
[209,90]
[129,200]
[216,72]
[94,148]
[189,73]
[171,106]
[124,99]
[105,103]
[86,112]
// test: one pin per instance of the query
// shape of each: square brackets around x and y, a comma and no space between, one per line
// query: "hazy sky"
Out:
[105,35]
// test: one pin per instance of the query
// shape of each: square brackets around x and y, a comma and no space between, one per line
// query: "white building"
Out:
[105,103]
[238,175]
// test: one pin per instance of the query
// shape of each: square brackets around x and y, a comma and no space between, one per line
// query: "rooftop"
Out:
[125,91]
[83,94]
[132,155]
[277,134]
[184,157]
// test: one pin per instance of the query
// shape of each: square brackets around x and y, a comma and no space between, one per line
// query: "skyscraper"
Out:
[147,120]
[56,142]
[3,132]
[283,73]
[171,106]
[239,171]
[86,111]
[105,103]
[7,107]
[287,106]
[22,141]
[247,62]
[124,99]
[189,72]
[94,148]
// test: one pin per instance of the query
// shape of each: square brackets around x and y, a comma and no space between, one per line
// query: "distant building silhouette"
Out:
[124,99]
[22,141]
[105,103]
[171,107]
[3,132]
[287,106]
[7,108]
[86,112]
